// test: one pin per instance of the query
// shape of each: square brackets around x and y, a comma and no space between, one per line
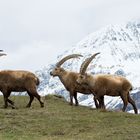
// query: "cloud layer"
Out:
[33,32]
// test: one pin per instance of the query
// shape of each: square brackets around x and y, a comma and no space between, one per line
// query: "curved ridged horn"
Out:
[66,58]
[85,64]
[2,54]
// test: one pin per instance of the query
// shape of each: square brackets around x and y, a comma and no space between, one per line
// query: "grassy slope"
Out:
[59,121]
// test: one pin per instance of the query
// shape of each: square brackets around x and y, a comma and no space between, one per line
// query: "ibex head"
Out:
[83,75]
[58,70]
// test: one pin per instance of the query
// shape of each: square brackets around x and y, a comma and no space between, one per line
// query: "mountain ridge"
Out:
[119,46]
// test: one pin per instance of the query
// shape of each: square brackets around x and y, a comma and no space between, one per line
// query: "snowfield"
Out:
[119,46]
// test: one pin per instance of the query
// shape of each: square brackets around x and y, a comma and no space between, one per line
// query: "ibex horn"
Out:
[85,64]
[67,58]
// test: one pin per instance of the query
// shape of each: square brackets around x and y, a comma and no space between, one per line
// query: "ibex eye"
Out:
[81,76]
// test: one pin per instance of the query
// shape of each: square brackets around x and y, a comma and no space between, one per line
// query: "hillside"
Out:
[59,121]
[119,46]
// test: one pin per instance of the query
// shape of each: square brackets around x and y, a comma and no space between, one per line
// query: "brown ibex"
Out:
[19,81]
[106,84]
[69,78]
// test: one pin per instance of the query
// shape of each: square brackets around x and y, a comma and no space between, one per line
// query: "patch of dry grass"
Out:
[59,121]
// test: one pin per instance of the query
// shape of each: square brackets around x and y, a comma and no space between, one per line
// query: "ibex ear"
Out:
[62,70]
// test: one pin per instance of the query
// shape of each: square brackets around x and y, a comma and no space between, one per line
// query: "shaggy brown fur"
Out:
[19,81]
[110,85]
[68,79]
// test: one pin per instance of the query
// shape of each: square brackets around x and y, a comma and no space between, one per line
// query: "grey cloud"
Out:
[24,25]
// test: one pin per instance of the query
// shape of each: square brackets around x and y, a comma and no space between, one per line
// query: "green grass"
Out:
[60,121]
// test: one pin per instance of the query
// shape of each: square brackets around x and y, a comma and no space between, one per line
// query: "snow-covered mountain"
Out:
[119,46]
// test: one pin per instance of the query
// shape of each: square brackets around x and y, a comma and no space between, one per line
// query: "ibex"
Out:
[69,78]
[2,54]
[106,84]
[19,81]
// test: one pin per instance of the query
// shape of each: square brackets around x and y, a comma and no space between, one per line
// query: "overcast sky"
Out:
[34,32]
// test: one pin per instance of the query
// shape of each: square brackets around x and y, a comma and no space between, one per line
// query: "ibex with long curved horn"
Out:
[18,81]
[105,84]
[2,54]
[69,78]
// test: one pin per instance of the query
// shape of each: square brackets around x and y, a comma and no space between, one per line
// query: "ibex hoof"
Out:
[13,107]
[28,106]
[42,104]
[4,106]
[71,104]
[76,104]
